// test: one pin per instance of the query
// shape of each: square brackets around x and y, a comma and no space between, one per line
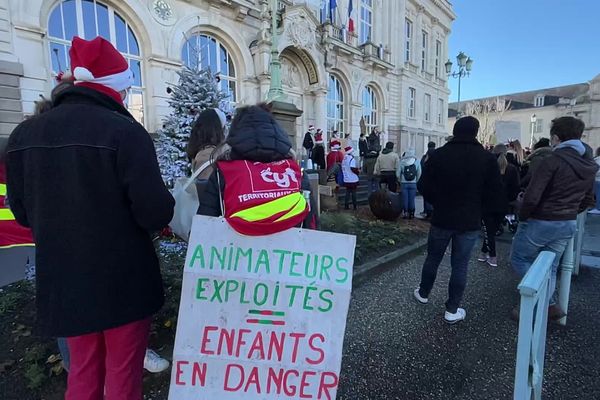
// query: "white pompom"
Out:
[82,74]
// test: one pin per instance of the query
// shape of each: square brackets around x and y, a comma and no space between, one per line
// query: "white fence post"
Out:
[566,271]
[533,320]
[579,240]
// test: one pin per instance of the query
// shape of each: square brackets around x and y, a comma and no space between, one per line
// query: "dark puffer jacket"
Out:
[84,177]
[560,188]
[254,136]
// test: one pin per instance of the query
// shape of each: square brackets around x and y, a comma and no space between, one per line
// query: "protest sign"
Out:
[261,317]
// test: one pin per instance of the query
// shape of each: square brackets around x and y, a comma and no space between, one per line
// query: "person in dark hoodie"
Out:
[427,208]
[561,187]
[459,180]
[269,174]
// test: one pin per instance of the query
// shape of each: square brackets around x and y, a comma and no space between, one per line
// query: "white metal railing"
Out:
[578,245]
[533,319]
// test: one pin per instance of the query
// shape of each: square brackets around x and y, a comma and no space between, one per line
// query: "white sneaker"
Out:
[422,300]
[154,363]
[595,211]
[456,317]
[483,257]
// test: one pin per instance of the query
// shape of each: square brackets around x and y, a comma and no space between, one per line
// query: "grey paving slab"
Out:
[397,349]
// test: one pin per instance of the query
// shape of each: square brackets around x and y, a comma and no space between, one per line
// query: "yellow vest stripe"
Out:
[6,214]
[2,189]
[270,208]
[298,209]
[13,246]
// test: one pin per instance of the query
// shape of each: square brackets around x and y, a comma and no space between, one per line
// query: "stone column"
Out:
[11,109]
[321,108]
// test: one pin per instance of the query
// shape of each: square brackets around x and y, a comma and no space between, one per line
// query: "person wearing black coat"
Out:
[254,136]
[85,178]
[427,207]
[459,180]
[494,213]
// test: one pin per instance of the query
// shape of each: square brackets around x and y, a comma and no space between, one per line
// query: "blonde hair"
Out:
[516,146]
[500,150]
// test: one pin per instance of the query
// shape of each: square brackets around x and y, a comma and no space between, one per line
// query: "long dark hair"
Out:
[207,131]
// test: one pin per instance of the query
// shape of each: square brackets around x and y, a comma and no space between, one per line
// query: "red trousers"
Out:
[108,365]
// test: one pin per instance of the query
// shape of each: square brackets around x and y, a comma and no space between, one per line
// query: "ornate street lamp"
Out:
[533,121]
[465,65]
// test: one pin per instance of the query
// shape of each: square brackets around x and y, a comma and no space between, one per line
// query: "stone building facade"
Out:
[387,73]
[530,114]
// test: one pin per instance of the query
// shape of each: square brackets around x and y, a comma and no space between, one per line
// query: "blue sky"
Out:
[520,45]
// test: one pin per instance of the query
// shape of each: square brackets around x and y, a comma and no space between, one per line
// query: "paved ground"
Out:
[398,349]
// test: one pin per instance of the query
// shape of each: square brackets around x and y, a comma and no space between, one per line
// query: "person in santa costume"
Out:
[335,157]
[84,177]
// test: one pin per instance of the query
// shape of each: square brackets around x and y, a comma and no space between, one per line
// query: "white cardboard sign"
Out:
[261,317]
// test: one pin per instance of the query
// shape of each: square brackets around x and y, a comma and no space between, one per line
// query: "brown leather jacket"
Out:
[560,188]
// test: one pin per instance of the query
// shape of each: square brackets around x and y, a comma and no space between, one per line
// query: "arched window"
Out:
[369,104]
[335,106]
[88,19]
[204,51]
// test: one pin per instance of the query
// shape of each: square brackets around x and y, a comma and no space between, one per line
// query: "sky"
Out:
[521,45]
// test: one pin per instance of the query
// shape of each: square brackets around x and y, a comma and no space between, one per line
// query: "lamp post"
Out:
[275,88]
[533,121]
[465,64]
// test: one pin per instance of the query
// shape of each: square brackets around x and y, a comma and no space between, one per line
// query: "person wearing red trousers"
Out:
[84,177]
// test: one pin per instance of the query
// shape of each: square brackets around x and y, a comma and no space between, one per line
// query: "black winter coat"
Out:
[363,147]
[255,137]
[308,142]
[84,177]
[460,179]
[318,156]
[374,146]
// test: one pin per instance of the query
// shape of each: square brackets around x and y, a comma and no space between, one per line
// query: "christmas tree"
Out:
[196,91]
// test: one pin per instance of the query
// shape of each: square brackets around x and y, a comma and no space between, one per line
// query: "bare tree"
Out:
[488,112]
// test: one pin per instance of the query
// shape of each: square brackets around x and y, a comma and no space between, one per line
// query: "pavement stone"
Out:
[396,348]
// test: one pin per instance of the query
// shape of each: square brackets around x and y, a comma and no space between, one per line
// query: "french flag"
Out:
[332,7]
[350,19]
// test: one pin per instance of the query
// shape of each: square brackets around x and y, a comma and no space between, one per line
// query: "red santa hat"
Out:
[97,63]
[348,149]
[335,145]
[319,137]
[311,128]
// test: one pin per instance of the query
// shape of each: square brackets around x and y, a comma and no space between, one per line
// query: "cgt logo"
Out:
[283,180]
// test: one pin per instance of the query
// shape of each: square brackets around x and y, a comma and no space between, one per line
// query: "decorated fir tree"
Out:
[196,91]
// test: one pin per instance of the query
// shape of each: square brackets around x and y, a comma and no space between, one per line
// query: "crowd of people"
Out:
[98,280]
[471,187]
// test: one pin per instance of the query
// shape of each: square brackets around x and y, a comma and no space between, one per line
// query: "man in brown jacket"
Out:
[560,188]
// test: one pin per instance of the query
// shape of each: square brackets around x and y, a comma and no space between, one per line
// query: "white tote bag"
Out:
[186,203]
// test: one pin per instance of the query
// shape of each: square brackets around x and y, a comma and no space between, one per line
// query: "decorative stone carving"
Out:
[299,33]
[162,12]
[290,74]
